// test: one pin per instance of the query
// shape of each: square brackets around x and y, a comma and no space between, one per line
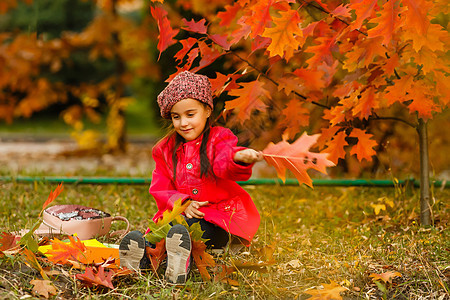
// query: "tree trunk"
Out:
[425,209]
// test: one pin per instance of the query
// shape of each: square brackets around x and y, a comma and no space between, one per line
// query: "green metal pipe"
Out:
[260,181]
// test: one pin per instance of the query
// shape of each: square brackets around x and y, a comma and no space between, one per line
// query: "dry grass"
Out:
[307,238]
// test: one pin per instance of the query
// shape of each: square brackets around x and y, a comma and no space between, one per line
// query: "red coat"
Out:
[230,207]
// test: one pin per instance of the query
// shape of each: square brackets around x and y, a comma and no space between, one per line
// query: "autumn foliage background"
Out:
[347,70]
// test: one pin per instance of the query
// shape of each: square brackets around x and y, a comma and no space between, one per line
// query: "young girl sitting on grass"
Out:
[201,163]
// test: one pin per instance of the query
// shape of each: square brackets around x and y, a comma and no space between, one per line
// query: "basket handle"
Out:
[121,232]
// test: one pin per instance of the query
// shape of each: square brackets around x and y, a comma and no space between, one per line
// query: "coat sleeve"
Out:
[224,166]
[162,187]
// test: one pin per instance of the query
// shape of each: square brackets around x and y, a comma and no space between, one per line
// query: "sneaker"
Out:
[132,250]
[178,247]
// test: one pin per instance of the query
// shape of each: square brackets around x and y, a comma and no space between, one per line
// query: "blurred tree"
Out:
[83,54]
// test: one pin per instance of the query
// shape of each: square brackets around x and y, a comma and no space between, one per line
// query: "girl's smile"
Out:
[189,118]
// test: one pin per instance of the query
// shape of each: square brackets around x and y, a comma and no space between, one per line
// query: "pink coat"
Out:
[230,207]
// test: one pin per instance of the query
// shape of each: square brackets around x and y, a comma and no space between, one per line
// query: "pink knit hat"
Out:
[185,85]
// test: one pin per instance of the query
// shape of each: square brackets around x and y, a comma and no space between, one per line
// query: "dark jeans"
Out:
[217,236]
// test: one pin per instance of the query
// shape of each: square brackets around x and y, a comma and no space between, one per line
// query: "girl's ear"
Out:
[209,111]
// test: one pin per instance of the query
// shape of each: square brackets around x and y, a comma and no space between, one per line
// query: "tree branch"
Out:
[375,117]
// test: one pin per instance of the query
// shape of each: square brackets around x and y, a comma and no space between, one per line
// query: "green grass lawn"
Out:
[307,239]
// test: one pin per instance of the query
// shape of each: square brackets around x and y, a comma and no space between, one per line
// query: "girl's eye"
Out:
[191,114]
[175,117]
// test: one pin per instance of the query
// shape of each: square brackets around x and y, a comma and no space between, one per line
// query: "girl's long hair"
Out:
[205,163]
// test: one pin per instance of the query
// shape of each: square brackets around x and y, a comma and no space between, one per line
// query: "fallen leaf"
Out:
[202,259]
[43,288]
[329,291]
[31,260]
[386,276]
[99,278]
[61,252]
[8,241]
[157,254]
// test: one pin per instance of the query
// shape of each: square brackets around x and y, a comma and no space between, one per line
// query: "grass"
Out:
[307,238]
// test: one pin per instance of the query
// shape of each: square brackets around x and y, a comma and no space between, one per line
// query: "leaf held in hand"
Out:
[296,158]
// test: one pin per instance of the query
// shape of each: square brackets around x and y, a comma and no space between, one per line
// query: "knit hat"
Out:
[185,85]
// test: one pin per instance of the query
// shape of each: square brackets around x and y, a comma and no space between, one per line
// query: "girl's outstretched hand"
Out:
[248,156]
[192,210]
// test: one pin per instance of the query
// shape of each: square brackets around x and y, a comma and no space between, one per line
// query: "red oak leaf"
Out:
[364,148]
[209,55]
[250,98]
[101,277]
[193,26]
[157,254]
[297,158]
[295,116]
[166,33]
[221,40]
[187,45]
[228,15]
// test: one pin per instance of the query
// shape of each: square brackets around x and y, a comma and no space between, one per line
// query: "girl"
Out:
[200,163]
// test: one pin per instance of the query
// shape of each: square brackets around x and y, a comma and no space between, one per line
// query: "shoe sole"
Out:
[131,250]
[178,247]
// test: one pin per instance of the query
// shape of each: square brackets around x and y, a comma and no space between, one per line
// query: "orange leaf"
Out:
[52,196]
[260,17]
[250,96]
[166,33]
[209,55]
[388,21]
[363,10]
[157,254]
[296,158]
[284,34]
[386,276]
[336,146]
[44,288]
[228,15]
[296,116]
[61,252]
[330,291]
[367,102]
[364,148]
[31,259]
[100,278]
[416,15]
[202,259]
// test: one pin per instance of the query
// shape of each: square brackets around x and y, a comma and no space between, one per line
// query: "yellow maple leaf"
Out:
[378,207]
[330,291]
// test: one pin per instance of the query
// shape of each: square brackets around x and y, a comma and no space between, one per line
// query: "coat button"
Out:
[195,191]
[189,166]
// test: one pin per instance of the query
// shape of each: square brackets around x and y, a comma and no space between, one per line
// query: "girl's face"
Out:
[189,117]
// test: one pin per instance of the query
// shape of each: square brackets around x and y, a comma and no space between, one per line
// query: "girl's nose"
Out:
[184,121]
